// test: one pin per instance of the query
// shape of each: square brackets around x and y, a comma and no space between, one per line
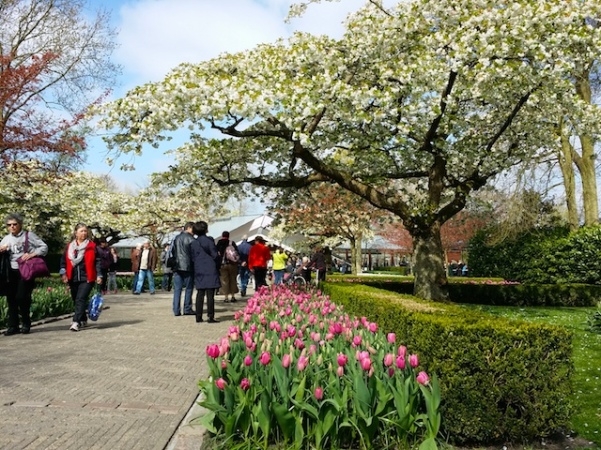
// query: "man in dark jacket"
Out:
[183,270]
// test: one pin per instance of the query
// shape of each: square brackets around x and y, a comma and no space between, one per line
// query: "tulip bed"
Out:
[296,371]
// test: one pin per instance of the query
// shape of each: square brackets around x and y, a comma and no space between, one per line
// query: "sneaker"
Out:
[74,326]
[233,300]
[83,324]
[25,330]
[11,331]
[243,293]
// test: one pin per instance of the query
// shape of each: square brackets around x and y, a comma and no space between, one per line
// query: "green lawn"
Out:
[586,421]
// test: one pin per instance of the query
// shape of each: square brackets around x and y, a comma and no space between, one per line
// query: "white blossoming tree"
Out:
[413,109]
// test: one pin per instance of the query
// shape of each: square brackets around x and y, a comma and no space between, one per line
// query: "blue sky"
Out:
[157,35]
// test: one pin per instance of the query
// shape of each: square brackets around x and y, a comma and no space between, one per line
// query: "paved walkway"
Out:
[125,382]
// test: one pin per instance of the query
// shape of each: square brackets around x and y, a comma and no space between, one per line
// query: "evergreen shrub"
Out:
[501,294]
[500,380]
[541,256]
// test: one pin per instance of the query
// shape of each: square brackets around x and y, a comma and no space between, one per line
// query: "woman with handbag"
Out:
[81,268]
[22,245]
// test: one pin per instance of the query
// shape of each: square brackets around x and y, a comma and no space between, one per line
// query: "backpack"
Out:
[231,254]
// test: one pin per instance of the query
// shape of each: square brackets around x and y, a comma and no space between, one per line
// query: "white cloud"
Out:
[157,35]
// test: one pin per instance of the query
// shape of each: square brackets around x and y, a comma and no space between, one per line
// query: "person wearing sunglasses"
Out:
[18,291]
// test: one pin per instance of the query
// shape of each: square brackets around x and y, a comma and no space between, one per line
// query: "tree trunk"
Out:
[430,275]
[356,255]
[566,163]
[589,181]
[586,163]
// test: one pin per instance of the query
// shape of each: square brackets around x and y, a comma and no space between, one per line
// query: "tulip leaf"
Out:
[285,420]
[428,444]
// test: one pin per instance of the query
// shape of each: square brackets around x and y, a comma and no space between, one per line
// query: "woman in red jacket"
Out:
[81,268]
[258,257]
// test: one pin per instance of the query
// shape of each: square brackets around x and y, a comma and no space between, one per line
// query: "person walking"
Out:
[147,262]
[258,259]
[229,268]
[80,267]
[135,265]
[105,262]
[112,273]
[243,271]
[167,272]
[18,291]
[183,270]
[279,265]
[318,262]
[206,262]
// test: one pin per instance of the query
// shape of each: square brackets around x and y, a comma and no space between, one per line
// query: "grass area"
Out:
[586,420]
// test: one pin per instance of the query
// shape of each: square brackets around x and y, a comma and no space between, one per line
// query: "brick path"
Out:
[125,382]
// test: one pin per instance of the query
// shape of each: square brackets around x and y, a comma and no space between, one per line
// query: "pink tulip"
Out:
[302,363]
[286,360]
[245,384]
[362,355]
[391,338]
[265,358]
[365,363]
[224,364]
[402,351]
[388,359]
[356,341]
[340,371]
[400,362]
[342,359]
[248,360]
[373,327]
[391,371]
[422,378]
[413,361]
[318,393]
[299,344]
[213,351]
[221,383]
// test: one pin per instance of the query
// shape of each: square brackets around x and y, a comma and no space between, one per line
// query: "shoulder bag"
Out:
[34,267]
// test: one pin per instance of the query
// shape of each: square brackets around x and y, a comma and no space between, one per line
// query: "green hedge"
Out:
[500,380]
[545,255]
[506,294]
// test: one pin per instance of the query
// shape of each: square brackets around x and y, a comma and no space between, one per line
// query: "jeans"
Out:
[182,280]
[167,279]
[112,282]
[143,273]
[278,276]
[244,278]
[134,285]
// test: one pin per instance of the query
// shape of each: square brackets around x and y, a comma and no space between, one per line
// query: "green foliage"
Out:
[547,256]
[594,320]
[282,376]
[500,380]
[50,298]
[496,292]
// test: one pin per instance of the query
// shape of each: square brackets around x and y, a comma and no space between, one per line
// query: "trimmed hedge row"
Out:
[500,380]
[505,294]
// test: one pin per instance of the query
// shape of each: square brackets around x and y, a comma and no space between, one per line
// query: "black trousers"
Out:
[18,297]
[80,293]
[260,277]
[200,299]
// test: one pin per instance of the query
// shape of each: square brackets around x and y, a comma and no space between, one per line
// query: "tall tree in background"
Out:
[54,62]
[414,109]
[327,210]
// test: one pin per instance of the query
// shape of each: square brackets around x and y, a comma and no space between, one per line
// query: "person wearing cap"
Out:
[243,271]
[258,258]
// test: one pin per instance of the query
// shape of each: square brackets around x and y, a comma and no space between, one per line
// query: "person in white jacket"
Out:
[18,292]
